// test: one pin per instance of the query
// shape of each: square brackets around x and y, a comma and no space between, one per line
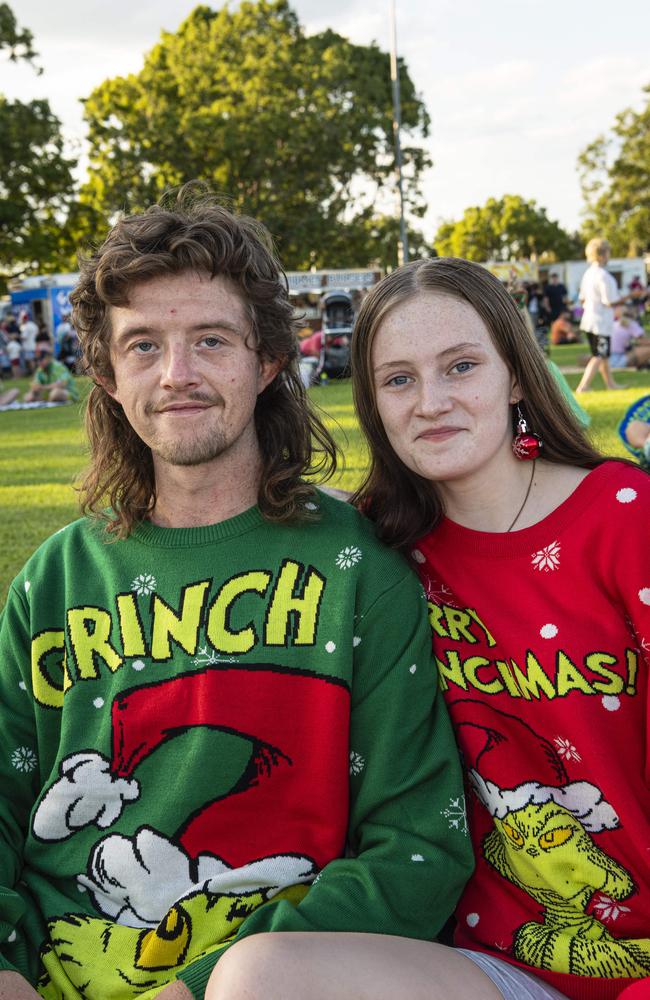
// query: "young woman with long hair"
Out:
[530,546]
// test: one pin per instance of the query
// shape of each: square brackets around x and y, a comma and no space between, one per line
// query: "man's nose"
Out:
[179,367]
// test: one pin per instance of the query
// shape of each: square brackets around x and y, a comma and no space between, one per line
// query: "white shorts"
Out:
[513,982]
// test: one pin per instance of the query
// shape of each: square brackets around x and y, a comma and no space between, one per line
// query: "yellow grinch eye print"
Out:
[513,835]
[555,838]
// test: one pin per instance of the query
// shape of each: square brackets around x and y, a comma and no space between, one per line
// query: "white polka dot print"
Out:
[417,857]
[12,937]
[98,703]
[330,646]
[27,586]
[311,506]
[626,495]
[418,556]
[356,641]
[548,631]
[138,665]
[644,595]
[611,702]
[472,919]
[413,668]
[22,685]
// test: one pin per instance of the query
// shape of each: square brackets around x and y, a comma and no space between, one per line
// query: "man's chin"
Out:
[188,455]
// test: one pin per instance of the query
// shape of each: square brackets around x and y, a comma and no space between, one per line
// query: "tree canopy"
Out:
[293,129]
[615,178]
[507,228]
[19,41]
[36,183]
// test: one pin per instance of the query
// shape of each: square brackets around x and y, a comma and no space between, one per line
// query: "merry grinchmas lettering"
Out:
[88,643]
[595,674]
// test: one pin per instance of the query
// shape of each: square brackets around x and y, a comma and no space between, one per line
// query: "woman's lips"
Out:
[439,433]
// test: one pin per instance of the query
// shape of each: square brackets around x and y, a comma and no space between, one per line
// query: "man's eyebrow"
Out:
[449,351]
[144,329]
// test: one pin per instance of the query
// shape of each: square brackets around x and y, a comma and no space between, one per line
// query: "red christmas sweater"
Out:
[541,638]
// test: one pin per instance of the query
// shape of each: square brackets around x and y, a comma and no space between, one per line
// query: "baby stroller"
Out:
[338,321]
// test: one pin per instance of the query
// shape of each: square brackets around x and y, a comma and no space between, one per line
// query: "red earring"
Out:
[525,445]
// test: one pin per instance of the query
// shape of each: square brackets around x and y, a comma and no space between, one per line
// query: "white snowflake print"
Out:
[566,749]
[144,584]
[438,593]
[626,495]
[547,559]
[608,909]
[357,762]
[456,814]
[348,557]
[208,657]
[23,759]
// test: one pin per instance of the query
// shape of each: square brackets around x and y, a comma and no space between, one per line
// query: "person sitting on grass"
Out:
[51,379]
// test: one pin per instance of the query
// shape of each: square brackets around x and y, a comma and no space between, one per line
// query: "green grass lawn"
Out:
[42,452]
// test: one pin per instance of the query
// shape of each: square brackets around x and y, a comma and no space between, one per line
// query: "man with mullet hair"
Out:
[218,703]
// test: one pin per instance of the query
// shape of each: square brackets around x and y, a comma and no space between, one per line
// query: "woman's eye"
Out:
[463,366]
[399,380]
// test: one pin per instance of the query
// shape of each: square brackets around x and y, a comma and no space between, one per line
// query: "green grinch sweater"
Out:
[215,731]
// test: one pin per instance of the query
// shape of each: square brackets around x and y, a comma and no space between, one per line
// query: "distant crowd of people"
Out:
[28,348]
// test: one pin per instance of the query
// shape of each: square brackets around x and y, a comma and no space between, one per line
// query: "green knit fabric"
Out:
[211,732]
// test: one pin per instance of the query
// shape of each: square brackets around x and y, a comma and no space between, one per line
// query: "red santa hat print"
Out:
[510,766]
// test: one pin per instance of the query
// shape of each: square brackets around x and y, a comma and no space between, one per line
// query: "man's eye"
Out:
[211,341]
[143,347]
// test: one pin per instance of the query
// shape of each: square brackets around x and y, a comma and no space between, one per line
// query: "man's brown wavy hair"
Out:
[404,505]
[189,231]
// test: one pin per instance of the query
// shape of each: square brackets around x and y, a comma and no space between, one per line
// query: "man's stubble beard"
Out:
[189,453]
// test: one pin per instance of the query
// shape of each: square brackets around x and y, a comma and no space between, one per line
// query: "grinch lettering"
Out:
[597,673]
[283,610]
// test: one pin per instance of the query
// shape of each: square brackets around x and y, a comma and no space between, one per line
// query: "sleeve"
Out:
[628,541]
[608,289]
[409,854]
[18,769]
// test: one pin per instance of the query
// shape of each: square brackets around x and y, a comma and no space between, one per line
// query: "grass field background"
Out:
[42,453]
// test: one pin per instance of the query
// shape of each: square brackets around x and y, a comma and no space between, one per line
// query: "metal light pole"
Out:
[403,245]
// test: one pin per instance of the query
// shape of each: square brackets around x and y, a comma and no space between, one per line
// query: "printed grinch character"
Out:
[144,959]
[165,900]
[541,843]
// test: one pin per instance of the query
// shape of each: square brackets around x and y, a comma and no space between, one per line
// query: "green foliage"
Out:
[35,186]
[35,176]
[43,452]
[19,41]
[292,129]
[508,228]
[615,178]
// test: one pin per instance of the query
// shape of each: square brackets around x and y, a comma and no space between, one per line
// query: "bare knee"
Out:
[251,969]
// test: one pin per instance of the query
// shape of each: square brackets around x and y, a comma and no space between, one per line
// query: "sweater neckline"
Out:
[180,538]
[516,543]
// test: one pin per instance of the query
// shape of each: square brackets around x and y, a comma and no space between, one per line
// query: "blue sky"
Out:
[515,88]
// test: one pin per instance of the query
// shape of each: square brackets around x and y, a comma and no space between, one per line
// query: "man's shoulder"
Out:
[69,538]
[352,531]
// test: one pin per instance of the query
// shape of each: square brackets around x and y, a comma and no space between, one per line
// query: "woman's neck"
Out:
[516,498]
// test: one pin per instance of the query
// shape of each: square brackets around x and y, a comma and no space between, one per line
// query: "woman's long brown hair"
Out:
[404,505]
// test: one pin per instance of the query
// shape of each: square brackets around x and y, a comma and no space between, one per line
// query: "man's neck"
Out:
[193,496]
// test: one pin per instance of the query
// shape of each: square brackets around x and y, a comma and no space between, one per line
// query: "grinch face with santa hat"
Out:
[542,842]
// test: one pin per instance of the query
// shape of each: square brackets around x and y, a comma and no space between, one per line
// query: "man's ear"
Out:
[107,384]
[269,368]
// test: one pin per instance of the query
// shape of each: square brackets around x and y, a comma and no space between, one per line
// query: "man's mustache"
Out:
[190,397]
